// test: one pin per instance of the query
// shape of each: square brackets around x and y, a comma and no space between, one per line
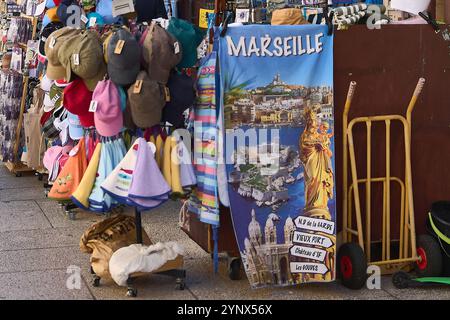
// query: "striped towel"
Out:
[204,199]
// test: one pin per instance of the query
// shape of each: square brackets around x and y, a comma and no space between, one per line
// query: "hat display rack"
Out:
[14,12]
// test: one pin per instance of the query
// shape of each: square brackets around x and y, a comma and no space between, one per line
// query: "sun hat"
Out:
[77,99]
[50,16]
[94,19]
[146,104]
[46,83]
[55,96]
[182,97]
[50,156]
[40,8]
[123,61]
[52,3]
[64,132]
[111,156]
[81,195]
[117,184]
[45,33]
[76,130]
[71,174]
[411,6]
[61,83]
[104,9]
[108,114]
[187,175]
[147,172]
[161,52]
[189,36]
[48,104]
[83,56]
[55,70]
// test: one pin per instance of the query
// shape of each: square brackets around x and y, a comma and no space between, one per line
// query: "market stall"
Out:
[136,103]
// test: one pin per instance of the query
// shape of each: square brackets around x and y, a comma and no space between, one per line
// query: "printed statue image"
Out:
[279,151]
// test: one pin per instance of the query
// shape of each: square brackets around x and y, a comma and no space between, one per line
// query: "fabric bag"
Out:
[70,176]
[103,238]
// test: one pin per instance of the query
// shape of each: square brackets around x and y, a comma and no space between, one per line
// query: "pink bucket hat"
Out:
[50,157]
[108,116]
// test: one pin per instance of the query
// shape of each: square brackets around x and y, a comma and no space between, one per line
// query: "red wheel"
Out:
[422,263]
[352,266]
[430,261]
[346,267]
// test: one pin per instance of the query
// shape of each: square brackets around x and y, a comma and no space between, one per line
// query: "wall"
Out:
[386,64]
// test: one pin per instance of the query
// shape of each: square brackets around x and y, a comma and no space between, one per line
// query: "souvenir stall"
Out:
[230,107]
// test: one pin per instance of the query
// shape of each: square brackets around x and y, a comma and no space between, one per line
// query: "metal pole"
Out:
[138,222]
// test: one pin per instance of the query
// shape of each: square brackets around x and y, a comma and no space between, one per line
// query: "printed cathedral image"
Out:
[277,100]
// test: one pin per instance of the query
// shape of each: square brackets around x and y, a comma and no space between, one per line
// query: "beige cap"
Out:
[55,70]
[288,16]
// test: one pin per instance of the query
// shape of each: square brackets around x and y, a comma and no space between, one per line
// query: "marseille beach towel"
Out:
[277,95]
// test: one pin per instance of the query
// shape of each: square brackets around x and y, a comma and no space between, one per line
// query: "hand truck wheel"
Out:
[352,266]
[401,280]
[132,292]
[234,269]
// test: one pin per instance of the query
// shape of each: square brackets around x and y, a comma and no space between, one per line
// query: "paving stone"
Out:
[42,259]
[41,238]
[21,215]
[205,285]
[12,182]
[149,287]
[28,193]
[59,219]
[426,293]
[40,285]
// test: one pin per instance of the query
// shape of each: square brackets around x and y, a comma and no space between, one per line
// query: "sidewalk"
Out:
[38,243]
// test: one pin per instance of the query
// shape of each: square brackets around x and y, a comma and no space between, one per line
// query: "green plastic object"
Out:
[442,280]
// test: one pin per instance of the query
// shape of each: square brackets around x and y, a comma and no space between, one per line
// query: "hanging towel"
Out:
[204,200]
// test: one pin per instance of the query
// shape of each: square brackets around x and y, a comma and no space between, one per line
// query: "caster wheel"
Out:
[18,174]
[71,215]
[352,266]
[234,270]
[96,282]
[430,257]
[401,280]
[132,293]
[180,285]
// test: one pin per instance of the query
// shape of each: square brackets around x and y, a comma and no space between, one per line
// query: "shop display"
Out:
[11,95]
[95,103]
[281,188]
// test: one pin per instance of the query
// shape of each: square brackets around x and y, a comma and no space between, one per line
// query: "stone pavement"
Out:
[38,244]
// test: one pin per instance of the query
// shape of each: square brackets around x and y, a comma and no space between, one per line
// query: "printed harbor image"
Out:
[288,131]
[279,151]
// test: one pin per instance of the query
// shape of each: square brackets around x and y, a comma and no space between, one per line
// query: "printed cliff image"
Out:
[279,151]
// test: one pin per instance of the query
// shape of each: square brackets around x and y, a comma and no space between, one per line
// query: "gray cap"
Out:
[123,67]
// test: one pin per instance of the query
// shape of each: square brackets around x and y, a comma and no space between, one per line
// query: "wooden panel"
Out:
[386,64]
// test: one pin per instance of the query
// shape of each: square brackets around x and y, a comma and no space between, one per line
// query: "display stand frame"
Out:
[16,166]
